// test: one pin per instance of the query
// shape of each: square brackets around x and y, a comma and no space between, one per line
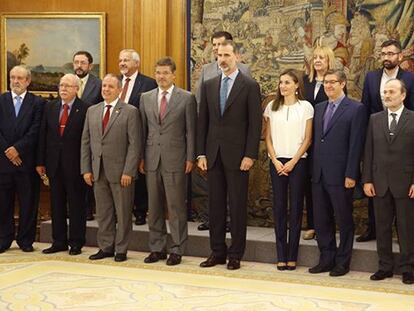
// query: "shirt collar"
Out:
[21,95]
[231,76]
[398,112]
[394,76]
[69,103]
[131,77]
[113,103]
[338,100]
[85,79]
[169,91]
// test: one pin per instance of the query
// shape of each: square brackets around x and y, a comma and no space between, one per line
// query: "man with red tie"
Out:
[59,158]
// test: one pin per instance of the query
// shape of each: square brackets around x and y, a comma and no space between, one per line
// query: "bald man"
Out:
[59,159]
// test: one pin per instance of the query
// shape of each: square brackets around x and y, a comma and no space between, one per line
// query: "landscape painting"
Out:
[45,43]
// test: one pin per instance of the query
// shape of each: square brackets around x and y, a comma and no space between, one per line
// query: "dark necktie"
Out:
[64,119]
[125,89]
[223,93]
[163,105]
[328,116]
[106,117]
[393,124]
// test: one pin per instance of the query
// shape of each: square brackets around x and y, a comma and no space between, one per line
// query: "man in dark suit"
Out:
[90,93]
[20,117]
[134,84]
[229,128]
[339,132]
[168,116]
[373,99]
[59,159]
[388,177]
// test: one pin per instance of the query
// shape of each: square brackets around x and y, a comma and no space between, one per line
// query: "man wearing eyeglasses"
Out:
[59,158]
[373,99]
[338,138]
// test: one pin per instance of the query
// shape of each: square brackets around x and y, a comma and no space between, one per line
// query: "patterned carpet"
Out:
[62,282]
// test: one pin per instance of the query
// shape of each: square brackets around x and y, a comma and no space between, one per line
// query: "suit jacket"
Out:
[309,88]
[212,70]
[237,132]
[92,91]
[53,148]
[118,148]
[337,153]
[21,132]
[171,141]
[389,162]
[371,96]
[142,84]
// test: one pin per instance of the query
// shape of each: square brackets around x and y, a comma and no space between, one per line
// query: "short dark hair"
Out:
[166,61]
[220,34]
[86,53]
[391,42]
[340,74]
[233,44]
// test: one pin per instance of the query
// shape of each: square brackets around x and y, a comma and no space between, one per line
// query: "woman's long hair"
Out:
[297,77]
[325,51]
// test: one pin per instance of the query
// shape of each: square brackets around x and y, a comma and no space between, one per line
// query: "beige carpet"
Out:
[62,282]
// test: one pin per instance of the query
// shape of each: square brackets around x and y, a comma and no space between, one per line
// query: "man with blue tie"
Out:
[20,117]
[339,132]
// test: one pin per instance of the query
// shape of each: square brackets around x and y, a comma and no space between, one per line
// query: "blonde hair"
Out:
[326,52]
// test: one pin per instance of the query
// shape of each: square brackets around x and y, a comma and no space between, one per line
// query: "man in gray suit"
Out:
[168,116]
[111,144]
[388,177]
[210,71]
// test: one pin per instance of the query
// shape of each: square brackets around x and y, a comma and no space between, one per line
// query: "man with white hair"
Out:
[134,84]
[20,116]
[59,159]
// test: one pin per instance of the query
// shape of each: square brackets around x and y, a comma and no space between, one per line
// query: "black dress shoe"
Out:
[368,235]
[54,249]
[173,260]
[90,217]
[339,270]
[291,267]
[212,261]
[3,249]
[233,264]
[407,278]
[119,257]
[155,256]
[140,220]
[319,269]
[27,249]
[203,226]
[381,275]
[75,250]
[100,255]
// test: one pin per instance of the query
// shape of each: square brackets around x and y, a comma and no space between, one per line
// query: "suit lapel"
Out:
[56,115]
[25,106]
[136,88]
[377,86]
[173,100]
[235,90]
[339,111]
[114,116]
[384,125]
[72,115]
[10,107]
[216,94]
[89,86]
[319,117]
[402,122]
[154,105]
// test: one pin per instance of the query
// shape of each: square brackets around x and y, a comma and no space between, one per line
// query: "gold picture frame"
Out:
[46,42]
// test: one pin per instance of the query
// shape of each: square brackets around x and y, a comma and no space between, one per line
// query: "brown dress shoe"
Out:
[212,261]
[233,264]
[155,256]
[173,260]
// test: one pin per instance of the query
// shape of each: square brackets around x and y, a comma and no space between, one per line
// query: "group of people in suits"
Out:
[137,139]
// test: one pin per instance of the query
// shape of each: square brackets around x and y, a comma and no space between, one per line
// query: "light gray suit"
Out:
[212,70]
[168,145]
[108,156]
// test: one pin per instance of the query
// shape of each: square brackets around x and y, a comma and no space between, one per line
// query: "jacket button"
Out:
[322,140]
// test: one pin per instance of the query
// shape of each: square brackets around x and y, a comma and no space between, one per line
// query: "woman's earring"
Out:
[296,92]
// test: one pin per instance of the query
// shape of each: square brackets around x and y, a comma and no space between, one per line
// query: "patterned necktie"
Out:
[223,93]
[125,89]
[80,92]
[106,117]
[393,124]
[17,105]
[163,105]
[64,119]
[328,116]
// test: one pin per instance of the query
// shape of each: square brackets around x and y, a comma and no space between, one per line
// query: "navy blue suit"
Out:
[336,155]
[22,133]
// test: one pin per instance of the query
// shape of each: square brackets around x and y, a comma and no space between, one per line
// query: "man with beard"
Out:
[373,99]
[90,93]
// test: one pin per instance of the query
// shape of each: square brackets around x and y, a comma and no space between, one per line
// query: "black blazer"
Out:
[92,92]
[53,147]
[371,96]
[237,132]
[309,88]
[389,162]
[337,153]
[142,84]
[21,132]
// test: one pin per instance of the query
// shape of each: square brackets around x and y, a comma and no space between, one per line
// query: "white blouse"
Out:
[288,126]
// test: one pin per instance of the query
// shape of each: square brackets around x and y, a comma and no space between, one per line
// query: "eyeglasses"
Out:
[389,54]
[81,63]
[66,86]
[326,82]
